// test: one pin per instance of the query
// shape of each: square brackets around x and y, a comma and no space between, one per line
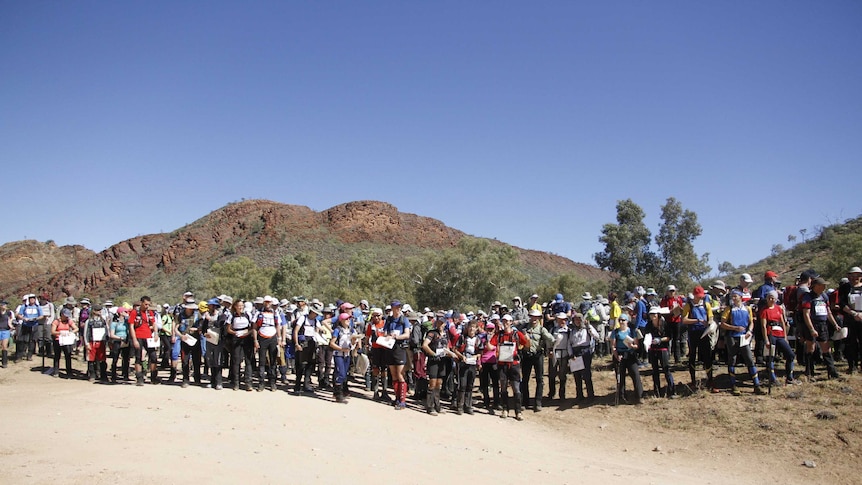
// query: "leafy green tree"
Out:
[572,286]
[679,264]
[627,247]
[240,278]
[290,278]
[473,274]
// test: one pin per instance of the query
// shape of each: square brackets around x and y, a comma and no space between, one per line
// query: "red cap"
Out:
[699,292]
[770,275]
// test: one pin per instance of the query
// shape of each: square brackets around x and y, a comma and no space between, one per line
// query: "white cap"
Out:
[746,278]
[507,318]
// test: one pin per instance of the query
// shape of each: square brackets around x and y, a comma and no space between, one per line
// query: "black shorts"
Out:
[379,357]
[435,367]
[821,328]
[397,356]
[152,356]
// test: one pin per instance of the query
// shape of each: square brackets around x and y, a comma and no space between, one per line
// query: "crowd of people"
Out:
[307,347]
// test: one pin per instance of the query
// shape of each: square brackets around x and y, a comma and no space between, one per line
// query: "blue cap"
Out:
[558,297]
[213,301]
[395,303]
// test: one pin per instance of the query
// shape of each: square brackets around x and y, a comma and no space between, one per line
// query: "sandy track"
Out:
[90,433]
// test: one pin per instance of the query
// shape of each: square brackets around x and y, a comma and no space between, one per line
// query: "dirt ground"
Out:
[79,432]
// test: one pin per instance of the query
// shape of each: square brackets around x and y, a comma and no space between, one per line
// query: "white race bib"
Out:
[820,310]
[153,343]
[98,334]
[242,333]
[267,331]
[66,338]
[189,340]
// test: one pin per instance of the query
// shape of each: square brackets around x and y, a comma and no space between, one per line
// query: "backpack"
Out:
[791,298]
[592,315]
[417,335]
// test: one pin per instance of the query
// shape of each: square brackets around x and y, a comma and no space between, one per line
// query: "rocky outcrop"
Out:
[261,229]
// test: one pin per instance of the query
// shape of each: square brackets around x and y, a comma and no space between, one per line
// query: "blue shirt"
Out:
[620,337]
[641,317]
[31,314]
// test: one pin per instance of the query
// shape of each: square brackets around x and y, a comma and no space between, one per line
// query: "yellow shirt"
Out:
[616,311]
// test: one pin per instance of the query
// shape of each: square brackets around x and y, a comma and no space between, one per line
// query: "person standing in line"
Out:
[119,334]
[238,328]
[659,354]
[7,320]
[63,331]
[558,358]
[817,316]
[267,336]
[738,321]
[507,342]
[489,375]
[343,341]
[143,323]
[773,324]
[697,315]
[397,326]
[533,359]
[304,330]
[95,344]
[581,343]
[29,314]
[850,303]
[467,351]
[626,359]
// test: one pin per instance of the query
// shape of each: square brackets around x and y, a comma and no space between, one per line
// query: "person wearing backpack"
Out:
[143,323]
[533,359]
[95,342]
[397,326]
[420,376]
[624,345]
[507,343]
[817,317]
[435,346]
[581,344]
[697,315]
[659,355]
[342,343]
[489,374]
[850,304]
[558,358]
[467,352]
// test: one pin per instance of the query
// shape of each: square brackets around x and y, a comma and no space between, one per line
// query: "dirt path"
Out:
[91,434]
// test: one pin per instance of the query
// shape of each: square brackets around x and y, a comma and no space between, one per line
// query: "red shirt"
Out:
[668,302]
[773,320]
[515,336]
[142,323]
[376,330]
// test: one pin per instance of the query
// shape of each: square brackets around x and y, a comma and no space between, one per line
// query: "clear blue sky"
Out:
[518,121]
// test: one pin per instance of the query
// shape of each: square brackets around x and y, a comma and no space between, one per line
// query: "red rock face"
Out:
[260,229]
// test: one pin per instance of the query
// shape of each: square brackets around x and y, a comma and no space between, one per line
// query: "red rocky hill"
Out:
[260,229]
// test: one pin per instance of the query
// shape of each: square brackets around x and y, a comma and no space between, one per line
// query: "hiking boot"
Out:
[504,414]
[185,383]
[519,417]
[759,391]
[139,379]
[735,391]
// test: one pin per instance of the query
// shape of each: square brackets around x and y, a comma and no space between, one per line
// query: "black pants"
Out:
[267,358]
[759,342]
[67,353]
[242,349]
[305,365]
[534,362]
[191,354]
[489,376]
[659,359]
[853,346]
[165,351]
[558,369]
[629,365]
[583,378]
[324,364]
[700,346]
[117,353]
